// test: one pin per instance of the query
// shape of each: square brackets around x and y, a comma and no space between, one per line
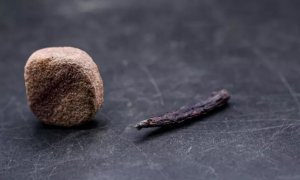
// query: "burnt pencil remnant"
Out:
[186,113]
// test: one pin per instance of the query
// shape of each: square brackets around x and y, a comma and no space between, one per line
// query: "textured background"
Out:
[155,56]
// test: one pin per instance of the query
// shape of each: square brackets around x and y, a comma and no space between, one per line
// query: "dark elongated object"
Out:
[186,113]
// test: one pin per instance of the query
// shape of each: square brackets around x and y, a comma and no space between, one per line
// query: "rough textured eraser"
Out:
[63,86]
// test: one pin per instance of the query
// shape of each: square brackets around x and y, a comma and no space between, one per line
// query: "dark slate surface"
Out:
[155,56]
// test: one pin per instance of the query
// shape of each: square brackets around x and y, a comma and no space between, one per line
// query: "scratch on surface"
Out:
[7,166]
[189,149]
[290,90]
[35,165]
[212,170]
[216,146]
[265,60]
[273,137]
[20,112]
[80,145]
[262,113]
[209,169]
[154,83]
[54,166]
[52,171]
[11,100]
[64,161]
[259,129]
[147,158]
[234,121]
[238,131]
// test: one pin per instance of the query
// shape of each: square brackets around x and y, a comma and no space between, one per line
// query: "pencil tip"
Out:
[138,126]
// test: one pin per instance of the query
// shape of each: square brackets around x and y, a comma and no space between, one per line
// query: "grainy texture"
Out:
[155,56]
[63,86]
[187,113]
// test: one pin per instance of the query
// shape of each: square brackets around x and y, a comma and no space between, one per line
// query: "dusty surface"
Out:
[63,86]
[154,57]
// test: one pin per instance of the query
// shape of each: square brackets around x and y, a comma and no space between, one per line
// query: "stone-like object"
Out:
[63,86]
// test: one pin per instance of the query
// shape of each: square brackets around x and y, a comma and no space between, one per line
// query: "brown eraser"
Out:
[63,86]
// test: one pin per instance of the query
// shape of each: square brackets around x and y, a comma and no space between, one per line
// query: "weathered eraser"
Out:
[63,86]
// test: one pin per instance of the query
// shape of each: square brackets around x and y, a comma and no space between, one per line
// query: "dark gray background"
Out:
[155,56]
